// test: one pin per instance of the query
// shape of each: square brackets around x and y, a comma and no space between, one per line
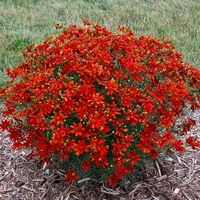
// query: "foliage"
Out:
[99,101]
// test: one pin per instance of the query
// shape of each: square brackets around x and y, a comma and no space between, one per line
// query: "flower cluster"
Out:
[99,101]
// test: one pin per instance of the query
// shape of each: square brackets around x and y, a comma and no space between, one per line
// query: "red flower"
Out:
[97,121]
[145,147]
[81,147]
[134,157]
[4,125]
[193,142]
[86,165]
[111,86]
[154,154]
[71,176]
[167,120]
[178,145]
[133,117]
[165,140]
[188,124]
[78,129]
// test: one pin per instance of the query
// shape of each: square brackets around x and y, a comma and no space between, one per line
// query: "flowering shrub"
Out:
[100,102]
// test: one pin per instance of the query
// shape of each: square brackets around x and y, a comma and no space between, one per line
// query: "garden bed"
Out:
[177,178]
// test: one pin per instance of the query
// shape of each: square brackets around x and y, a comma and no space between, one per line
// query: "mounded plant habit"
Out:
[100,102]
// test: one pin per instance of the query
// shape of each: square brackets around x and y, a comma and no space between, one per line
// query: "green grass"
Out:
[31,21]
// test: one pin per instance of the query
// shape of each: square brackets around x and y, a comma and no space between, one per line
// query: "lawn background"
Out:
[25,22]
